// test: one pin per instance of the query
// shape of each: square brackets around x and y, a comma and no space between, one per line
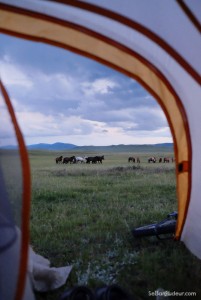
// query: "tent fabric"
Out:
[13,257]
[145,40]
[20,266]
[58,31]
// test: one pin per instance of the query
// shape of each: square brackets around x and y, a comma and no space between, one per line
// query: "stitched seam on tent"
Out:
[189,14]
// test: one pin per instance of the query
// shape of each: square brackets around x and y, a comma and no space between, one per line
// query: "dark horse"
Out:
[131,159]
[152,159]
[166,160]
[92,159]
[100,158]
[70,160]
[58,159]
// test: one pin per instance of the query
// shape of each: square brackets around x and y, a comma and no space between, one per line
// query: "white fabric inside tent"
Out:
[155,42]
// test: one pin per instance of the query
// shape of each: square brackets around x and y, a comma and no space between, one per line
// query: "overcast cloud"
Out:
[62,97]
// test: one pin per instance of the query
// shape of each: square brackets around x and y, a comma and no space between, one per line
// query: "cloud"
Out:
[38,124]
[14,75]
[149,119]
[99,86]
[57,95]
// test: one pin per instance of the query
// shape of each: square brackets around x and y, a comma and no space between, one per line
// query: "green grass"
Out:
[82,215]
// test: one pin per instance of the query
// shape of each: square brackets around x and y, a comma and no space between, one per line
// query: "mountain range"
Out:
[114,148]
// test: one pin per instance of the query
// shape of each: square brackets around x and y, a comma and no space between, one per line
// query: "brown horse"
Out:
[59,159]
[131,159]
[166,160]
[70,160]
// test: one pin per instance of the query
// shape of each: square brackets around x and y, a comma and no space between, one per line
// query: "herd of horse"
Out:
[152,159]
[73,159]
[160,160]
[99,159]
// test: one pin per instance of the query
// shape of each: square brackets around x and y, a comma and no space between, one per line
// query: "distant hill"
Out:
[51,147]
[128,148]
[112,148]
[9,147]
[164,145]
[43,146]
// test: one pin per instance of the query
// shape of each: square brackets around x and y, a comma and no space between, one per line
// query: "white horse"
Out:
[80,159]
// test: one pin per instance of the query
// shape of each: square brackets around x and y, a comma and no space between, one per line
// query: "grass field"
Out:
[82,215]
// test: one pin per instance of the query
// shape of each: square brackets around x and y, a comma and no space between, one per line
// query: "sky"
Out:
[59,96]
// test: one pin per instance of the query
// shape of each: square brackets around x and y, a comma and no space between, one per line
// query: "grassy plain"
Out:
[82,215]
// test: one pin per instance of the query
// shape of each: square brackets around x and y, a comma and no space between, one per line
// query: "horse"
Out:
[131,159]
[166,160]
[70,160]
[100,158]
[58,159]
[80,159]
[92,159]
[160,159]
[138,160]
[152,159]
